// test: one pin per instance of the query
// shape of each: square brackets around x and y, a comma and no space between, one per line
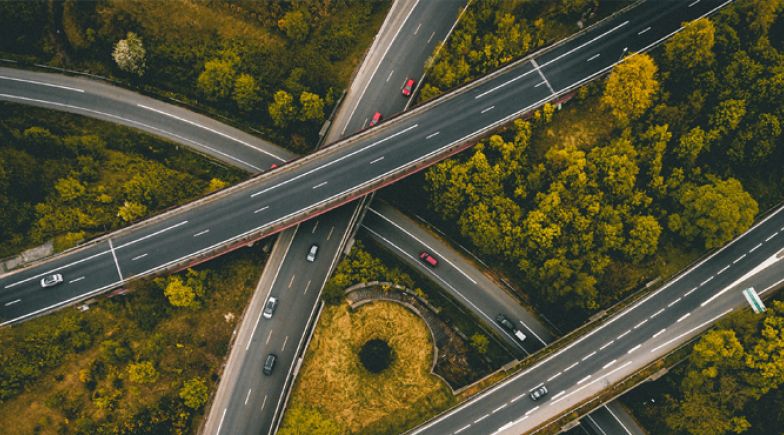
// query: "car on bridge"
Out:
[428,259]
[269,364]
[269,307]
[408,87]
[538,392]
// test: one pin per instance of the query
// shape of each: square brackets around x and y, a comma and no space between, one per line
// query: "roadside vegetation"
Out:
[730,383]
[134,363]
[479,355]
[493,33]
[336,394]
[70,178]
[275,66]
[675,153]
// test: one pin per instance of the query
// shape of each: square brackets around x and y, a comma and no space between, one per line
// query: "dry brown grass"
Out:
[334,382]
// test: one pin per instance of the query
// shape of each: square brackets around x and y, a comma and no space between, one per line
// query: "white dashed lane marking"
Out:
[608,364]
[77,279]
[683,317]
[658,333]
[633,349]
[593,57]
[657,313]
[607,344]
[644,30]
[8,304]
[588,356]
[673,302]
[584,379]
[739,258]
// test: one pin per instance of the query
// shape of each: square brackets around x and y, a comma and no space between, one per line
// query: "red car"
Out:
[375,119]
[428,259]
[408,87]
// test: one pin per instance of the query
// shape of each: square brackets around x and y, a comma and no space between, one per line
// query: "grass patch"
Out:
[69,372]
[334,386]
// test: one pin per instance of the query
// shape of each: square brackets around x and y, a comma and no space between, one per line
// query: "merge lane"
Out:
[285,191]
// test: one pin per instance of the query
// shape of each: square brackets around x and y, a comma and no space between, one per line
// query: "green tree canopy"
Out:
[179,294]
[631,86]
[217,80]
[130,55]
[295,25]
[142,372]
[715,212]
[132,211]
[194,393]
[692,47]
[246,93]
[282,109]
[312,107]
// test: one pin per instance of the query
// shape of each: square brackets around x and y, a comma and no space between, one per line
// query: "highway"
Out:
[479,292]
[623,344]
[100,100]
[189,129]
[337,174]
[247,401]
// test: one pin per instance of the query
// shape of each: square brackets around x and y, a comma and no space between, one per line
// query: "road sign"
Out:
[754,300]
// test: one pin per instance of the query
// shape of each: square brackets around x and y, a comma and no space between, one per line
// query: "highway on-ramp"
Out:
[339,173]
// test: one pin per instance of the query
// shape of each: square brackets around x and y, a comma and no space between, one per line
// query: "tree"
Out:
[70,189]
[692,47]
[142,373]
[726,117]
[333,293]
[493,226]
[130,55]
[630,88]
[132,211]
[295,25]
[480,342]
[755,143]
[643,238]
[282,110]
[312,107]
[179,294]
[194,393]
[715,212]
[691,145]
[246,93]
[217,79]
[216,184]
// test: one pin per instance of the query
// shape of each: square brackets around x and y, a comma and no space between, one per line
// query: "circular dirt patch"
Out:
[376,355]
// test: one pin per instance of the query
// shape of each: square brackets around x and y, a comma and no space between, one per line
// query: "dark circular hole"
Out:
[376,355]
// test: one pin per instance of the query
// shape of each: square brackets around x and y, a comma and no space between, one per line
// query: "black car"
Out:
[269,364]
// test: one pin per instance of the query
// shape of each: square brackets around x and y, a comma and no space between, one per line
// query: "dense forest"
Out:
[492,33]
[142,362]
[274,66]
[683,149]
[69,178]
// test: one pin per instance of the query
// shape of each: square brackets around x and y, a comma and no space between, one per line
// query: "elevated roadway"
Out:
[342,172]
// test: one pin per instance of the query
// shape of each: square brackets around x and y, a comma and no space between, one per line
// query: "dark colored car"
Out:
[538,392]
[428,259]
[408,87]
[509,326]
[375,119]
[269,363]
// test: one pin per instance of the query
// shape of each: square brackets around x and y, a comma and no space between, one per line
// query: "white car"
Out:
[51,280]
[269,308]
[312,253]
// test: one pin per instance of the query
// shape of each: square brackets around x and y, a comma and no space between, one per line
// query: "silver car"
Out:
[269,308]
[51,280]
[538,392]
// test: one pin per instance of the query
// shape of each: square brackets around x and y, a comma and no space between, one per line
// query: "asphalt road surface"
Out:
[484,296]
[247,401]
[623,344]
[338,173]
[104,101]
